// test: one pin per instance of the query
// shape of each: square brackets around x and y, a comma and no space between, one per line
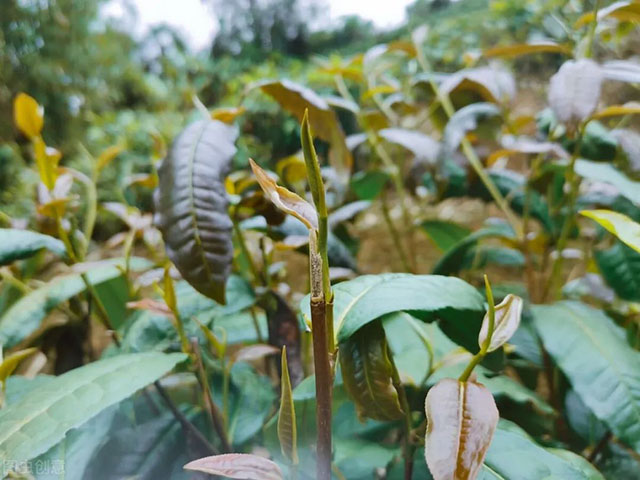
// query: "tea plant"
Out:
[504,345]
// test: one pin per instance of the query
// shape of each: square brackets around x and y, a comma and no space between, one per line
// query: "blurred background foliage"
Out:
[101,86]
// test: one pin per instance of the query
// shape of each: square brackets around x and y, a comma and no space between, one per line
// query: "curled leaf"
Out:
[574,90]
[237,465]
[107,156]
[191,205]
[28,115]
[462,417]
[287,430]
[284,199]
[368,373]
[507,320]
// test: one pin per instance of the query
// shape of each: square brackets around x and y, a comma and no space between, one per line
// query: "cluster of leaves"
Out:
[252,368]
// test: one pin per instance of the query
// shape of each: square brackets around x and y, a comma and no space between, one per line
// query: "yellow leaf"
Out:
[284,199]
[618,224]
[292,169]
[380,89]
[108,155]
[47,159]
[11,362]
[169,292]
[631,108]
[526,49]
[227,115]
[28,115]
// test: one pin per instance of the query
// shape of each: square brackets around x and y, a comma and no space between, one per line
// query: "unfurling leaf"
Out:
[631,108]
[284,199]
[507,320]
[287,430]
[28,115]
[237,465]
[574,90]
[191,205]
[620,225]
[368,373]
[462,417]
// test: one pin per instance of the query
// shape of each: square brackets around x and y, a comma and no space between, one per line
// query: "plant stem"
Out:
[323,388]
[592,30]
[184,421]
[394,233]
[407,446]
[574,183]
[214,413]
[477,358]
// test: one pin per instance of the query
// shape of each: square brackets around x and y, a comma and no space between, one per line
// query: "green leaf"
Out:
[191,205]
[453,259]
[620,267]
[144,449]
[149,331]
[620,225]
[41,420]
[368,297]
[514,455]
[287,431]
[607,173]
[75,454]
[602,368]
[20,244]
[26,315]
[368,371]
[444,234]
[368,185]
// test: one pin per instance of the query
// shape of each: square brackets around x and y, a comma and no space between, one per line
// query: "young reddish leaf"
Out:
[284,199]
[508,313]
[462,417]
[237,465]
[254,352]
[28,115]
[287,430]
[151,305]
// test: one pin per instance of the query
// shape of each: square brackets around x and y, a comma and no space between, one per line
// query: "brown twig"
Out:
[214,413]
[324,381]
[187,426]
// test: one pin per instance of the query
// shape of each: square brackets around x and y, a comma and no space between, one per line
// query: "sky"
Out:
[197,22]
